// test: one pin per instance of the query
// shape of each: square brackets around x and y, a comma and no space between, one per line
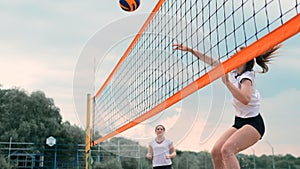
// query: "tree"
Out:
[28,118]
[109,164]
[33,117]
[4,164]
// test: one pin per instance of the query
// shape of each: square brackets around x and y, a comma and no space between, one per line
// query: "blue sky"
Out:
[42,41]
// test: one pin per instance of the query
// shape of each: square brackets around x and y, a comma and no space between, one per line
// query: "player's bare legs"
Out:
[239,141]
[216,151]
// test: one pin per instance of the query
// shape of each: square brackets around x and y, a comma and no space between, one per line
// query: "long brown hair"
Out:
[265,58]
[262,60]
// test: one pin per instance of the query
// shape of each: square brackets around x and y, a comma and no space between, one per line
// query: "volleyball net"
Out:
[151,76]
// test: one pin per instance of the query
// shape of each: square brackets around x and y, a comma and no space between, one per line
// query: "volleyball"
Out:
[129,5]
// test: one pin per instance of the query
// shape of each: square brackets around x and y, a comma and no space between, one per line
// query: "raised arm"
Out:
[205,58]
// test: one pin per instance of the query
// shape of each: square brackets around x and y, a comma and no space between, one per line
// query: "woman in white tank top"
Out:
[161,150]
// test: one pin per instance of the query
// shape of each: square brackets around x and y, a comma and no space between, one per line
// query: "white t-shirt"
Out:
[253,108]
[160,150]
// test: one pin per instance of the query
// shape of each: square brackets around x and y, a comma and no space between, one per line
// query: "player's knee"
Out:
[216,152]
[227,151]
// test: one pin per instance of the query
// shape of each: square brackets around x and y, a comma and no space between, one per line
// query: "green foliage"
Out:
[109,164]
[28,118]
[33,118]
[5,164]
[192,160]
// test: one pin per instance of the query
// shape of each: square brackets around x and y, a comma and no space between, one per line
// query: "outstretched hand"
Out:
[180,46]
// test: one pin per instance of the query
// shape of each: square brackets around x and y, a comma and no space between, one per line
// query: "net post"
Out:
[93,122]
[88,138]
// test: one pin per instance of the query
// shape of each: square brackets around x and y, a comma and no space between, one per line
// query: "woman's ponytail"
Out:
[265,58]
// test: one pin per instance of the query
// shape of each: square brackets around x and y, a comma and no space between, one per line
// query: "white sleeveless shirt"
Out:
[253,108]
[160,150]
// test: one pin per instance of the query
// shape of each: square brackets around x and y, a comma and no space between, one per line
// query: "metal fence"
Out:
[62,156]
[35,156]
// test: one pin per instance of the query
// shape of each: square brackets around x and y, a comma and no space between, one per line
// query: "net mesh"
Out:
[152,71]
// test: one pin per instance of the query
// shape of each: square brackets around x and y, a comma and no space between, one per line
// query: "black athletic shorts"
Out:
[257,122]
[163,167]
